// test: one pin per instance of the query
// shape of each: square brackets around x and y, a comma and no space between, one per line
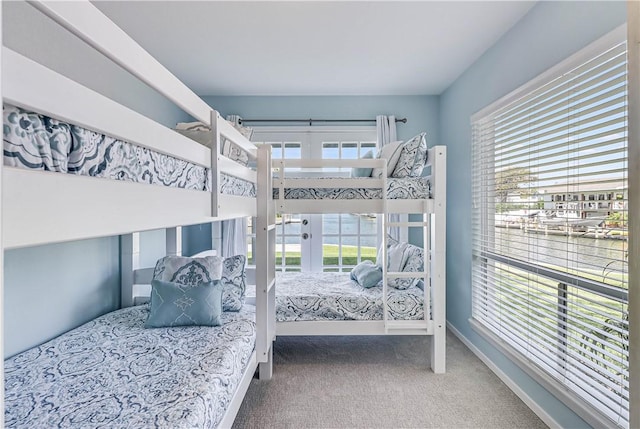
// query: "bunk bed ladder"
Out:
[423,324]
[265,257]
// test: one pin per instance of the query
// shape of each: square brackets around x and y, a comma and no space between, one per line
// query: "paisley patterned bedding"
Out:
[404,188]
[334,296]
[111,372]
[35,141]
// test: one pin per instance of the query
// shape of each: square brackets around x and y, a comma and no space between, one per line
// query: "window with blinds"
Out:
[550,219]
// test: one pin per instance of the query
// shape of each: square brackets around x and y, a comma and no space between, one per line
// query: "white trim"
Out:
[555,72]
[515,388]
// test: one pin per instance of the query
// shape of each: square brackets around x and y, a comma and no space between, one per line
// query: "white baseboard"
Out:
[541,413]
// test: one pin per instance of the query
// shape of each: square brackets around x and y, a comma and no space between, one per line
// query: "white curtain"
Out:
[386,128]
[234,236]
[234,231]
[234,119]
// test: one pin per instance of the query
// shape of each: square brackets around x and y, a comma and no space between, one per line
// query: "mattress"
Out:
[111,372]
[35,141]
[305,296]
[397,188]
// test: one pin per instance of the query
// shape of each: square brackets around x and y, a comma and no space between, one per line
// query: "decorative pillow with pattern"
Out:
[414,264]
[402,257]
[188,271]
[174,304]
[233,282]
[413,157]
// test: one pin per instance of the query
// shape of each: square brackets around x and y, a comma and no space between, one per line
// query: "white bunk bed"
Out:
[410,312]
[116,207]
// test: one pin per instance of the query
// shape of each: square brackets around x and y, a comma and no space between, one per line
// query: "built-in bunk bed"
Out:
[410,299]
[113,371]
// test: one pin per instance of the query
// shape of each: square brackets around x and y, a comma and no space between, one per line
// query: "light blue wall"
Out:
[421,111]
[196,238]
[548,34]
[51,289]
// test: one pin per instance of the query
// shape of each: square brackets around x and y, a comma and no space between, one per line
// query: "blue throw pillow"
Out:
[367,274]
[363,172]
[174,304]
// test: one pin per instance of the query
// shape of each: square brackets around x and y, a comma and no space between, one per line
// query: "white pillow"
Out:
[390,152]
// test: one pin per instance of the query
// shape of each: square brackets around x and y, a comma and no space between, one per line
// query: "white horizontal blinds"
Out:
[550,190]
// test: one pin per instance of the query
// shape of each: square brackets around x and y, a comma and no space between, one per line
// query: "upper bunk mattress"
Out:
[410,188]
[306,296]
[36,141]
[112,372]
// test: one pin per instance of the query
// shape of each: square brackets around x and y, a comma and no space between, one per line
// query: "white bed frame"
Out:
[123,208]
[433,224]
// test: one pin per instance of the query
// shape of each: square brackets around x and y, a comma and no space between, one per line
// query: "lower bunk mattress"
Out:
[38,142]
[112,372]
[407,188]
[306,296]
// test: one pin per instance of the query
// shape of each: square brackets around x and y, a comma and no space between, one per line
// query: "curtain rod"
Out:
[311,121]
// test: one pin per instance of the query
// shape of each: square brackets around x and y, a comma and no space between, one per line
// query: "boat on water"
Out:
[515,216]
[568,219]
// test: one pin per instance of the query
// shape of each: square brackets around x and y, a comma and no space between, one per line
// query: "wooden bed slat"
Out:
[45,207]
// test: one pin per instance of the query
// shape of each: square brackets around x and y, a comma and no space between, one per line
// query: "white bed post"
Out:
[265,264]
[174,241]
[129,262]
[216,237]
[1,252]
[215,157]
[438,277]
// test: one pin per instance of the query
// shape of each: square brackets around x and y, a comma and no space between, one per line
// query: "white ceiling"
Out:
[319,47]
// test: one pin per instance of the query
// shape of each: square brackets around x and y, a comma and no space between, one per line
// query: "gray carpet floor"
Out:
[379,382]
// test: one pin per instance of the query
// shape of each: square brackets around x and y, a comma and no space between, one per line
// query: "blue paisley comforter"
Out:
[334,296]
[35,141]
[113,373]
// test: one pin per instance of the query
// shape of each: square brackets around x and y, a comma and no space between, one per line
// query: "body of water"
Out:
[582,253]
[595,255]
